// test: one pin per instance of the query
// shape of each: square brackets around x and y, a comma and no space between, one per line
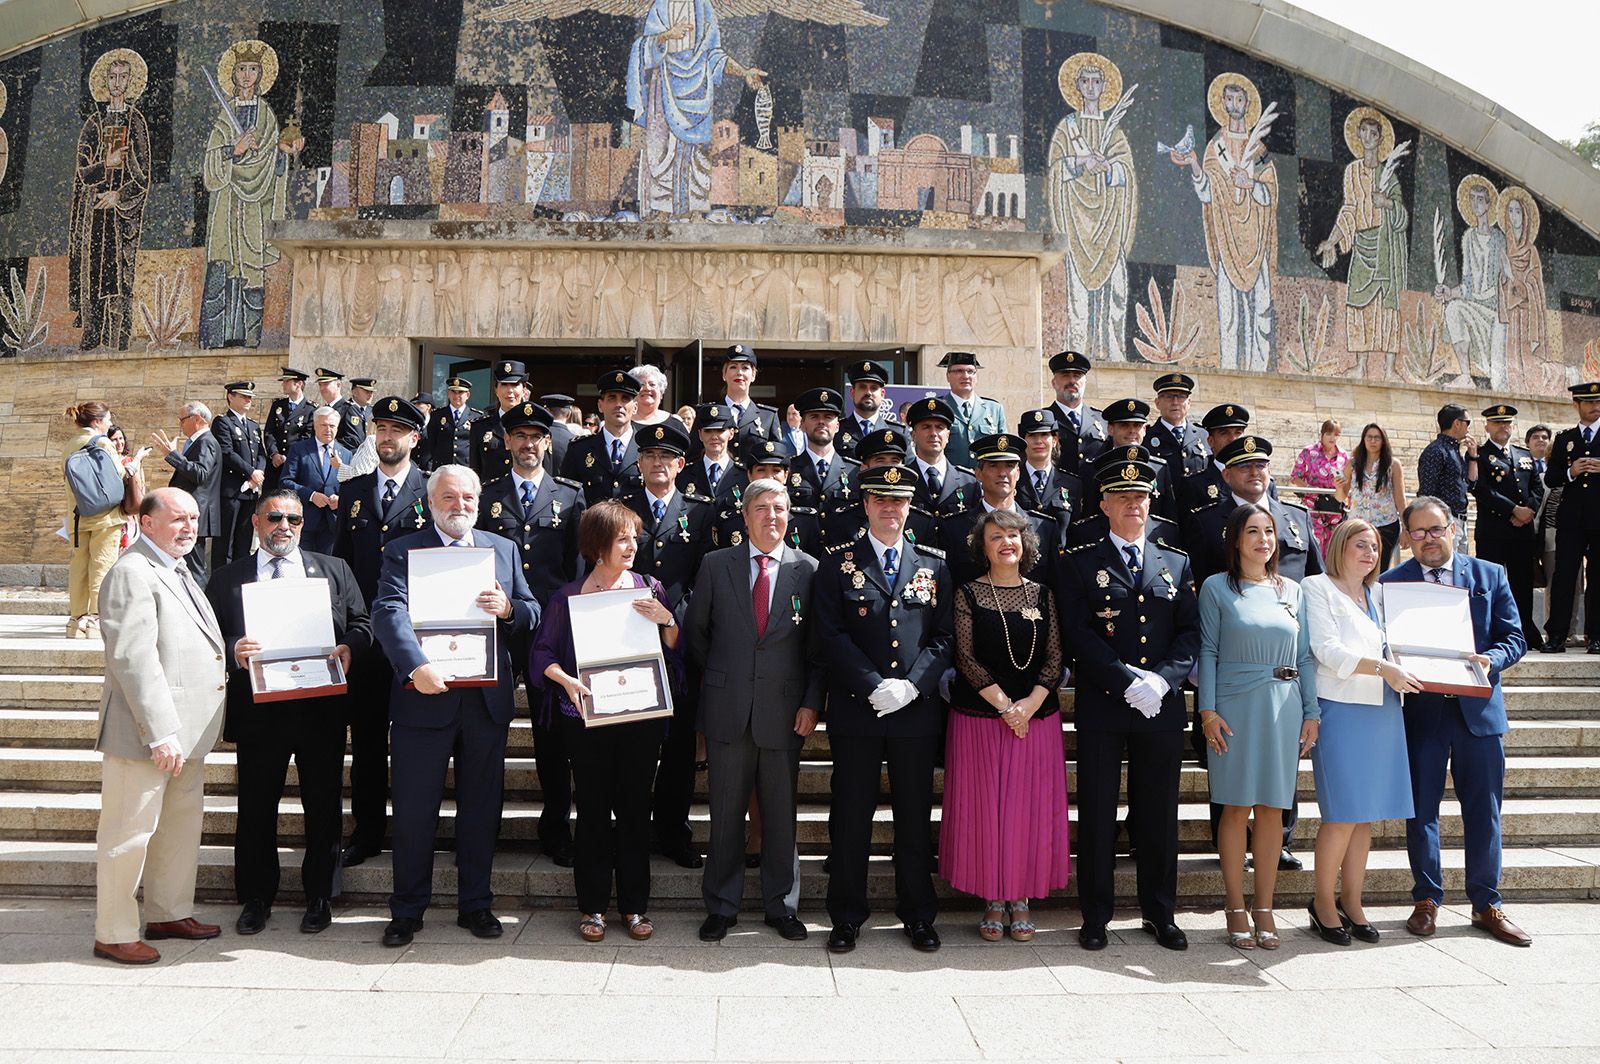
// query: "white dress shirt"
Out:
[293,565]
[776,554]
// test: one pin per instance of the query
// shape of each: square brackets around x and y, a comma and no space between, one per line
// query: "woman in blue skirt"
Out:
[1360,762]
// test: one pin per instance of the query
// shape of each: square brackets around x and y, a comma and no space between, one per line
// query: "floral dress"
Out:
[1317,469]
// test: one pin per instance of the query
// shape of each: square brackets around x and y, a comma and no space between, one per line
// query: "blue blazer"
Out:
[302,473]
[391,627]
[1496,630]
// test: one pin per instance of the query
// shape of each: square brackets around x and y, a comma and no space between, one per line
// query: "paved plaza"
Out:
[539,994]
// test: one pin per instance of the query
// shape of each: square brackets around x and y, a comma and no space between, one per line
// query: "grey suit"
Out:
[751,689]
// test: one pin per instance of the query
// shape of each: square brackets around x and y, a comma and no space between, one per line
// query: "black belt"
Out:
[1285,672]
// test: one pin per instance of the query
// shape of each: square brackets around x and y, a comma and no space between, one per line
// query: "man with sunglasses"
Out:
[1444,473]
[1462,733]
[267,734]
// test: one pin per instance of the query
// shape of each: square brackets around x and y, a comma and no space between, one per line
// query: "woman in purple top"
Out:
[612,766]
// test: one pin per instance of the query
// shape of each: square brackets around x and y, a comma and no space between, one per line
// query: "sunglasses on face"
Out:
[295,520]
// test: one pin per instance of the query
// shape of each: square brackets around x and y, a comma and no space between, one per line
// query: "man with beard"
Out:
[869,404]
[1080,428]
[820,476]
[267,734]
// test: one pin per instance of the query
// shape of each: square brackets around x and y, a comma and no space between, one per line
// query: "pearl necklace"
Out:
[1030,614]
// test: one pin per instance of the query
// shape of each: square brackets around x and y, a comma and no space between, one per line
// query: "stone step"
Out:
[68,869]
[25,601]
[75,770]
[73,817]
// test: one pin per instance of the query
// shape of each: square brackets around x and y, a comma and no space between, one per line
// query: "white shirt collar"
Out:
[166,559]
[293,564]
[880,548]
[666,500]
[1176,430]
[1118,542]
[444,537]
[624,439]
[399,477]
[816,456]
[941,468]
[776,553]
[517,480]
[721,463]
[991,509]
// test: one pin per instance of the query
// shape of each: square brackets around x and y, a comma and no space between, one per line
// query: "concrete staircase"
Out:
[49,794]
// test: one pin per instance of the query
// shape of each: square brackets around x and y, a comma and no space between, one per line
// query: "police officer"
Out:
[1507,490]
[489,456]
[1044,485]
[975,415]
[764,458]
[560,433]
[355,412]
[244,472]
[1574,466]
[1173,437]
[450,428]
[422,455]
[870,409]
[1125,422]
[999,460]
[820,477]
[715,475]
[884,624]
[374,509]
[288,421]
[847,521]
[606,463]
[539,512]
[942,485]
[1080,428]
[1130,619]
[676,537]
[1223,423]
[1091,525]
[749,417]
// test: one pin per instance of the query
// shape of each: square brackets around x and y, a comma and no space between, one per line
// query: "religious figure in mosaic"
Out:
[1474,323]
[1094,201]
[1522,296]
[110,184]
[247,175]
[674,68]
[1237,185]
[1371,228]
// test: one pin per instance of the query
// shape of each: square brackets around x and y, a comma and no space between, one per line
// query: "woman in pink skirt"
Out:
[1004,833]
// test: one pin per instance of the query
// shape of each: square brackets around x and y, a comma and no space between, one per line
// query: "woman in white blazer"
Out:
[1359,762]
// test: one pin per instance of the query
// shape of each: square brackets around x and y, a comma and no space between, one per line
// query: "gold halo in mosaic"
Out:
[1464,198]
[1530,214]
[1067,80]
[1352,125]
[1252,107]
[248,51]
[138,75]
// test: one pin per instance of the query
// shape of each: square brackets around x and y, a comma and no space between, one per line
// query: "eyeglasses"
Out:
[295,520]
[1436,532]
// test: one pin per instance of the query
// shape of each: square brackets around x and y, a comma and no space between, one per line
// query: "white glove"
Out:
[1146,693]
[893,694]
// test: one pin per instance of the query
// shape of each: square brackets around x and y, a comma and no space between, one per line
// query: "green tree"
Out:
[1587,147]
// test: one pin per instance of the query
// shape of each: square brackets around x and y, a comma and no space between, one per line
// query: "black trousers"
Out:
[314,737]
[196,561]
[477,745]
[611,769]
[552,759]
[674,786]
[1517,555]
[1154,760]
[1574,547]
[232,541]
[1388,539]
[858,762]
[368,707]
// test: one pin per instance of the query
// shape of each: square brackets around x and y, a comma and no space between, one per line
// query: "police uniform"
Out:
[243,453]
[1115,619]
[854,428]
[729,530]
[806,486]
[1577,528]
[846,522]
[874,626]
[971,418]
[696,478]
[422,453]
[545,531]
[753,419]
[1207,486]
[488,448]
[954,528]
[353,416]
[589,458]
[1298,553]
[934,493]
[1164,496]
[288,422]
[1083,443]
[560,432]
[1185,450]
[1057,492]
[450,435]
[1505,481]
[366,527]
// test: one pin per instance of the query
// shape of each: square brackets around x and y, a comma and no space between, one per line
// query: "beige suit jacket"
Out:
[164,669]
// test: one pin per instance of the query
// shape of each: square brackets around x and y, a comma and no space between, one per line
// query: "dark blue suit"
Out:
[304,474]
[1465,734]
[466,723]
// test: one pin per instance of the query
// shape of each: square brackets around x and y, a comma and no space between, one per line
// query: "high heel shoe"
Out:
[1239,939]
[1266,939]
[1365,932]
[1339,936]
[993,930]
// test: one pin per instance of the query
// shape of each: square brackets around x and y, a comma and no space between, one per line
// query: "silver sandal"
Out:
[1240,939]
[1267,939]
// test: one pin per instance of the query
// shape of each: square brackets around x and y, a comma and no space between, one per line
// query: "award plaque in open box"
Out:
[1429,629]
[293,621]
[619,658]
[458,637]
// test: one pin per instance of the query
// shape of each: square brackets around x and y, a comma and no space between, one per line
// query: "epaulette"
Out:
[696,499]
[1294,505]
[1085,546]
[491,482]
[1083,520]
[804,510]
[847,460]
[924,511]
[935,551]
[576,485]
[723,515]
[837,547]
[1212,505]
[843,509]
[764,406]
[965,469]
[1167,546]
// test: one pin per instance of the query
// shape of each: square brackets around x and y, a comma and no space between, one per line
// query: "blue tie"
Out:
[1133,559]
[658,508]
[527,498]
[458,543]
[1072,419]
[822,471]
[890,565]
[616,452]
[713,473]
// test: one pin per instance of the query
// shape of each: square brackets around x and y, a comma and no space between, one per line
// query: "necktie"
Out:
[390,489]
[277,568]
[760,593]
[458,543]
[658,508]
[713,473]
[192,589]
[326,460]
[1133,559]
[1038,482]
[1538,466]
[1072,419]
[527,498]
[616,452]
[822,471]
[934,487]
[1434,575]
[966,410]
[1588,435]
[890,565]
[738,413]
[455,416]
[866,429]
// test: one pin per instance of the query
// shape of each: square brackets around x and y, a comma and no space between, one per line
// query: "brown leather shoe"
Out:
[126,952]
[1494,921]
[1423,920]
[188,928]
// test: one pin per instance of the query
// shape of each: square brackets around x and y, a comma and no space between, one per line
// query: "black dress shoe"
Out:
[842,939]
[318,916]
[683,856]
[357,852]
[1288,862]
[253,918]
[1364,932]
[1337,935]
[1552,646]
[752,860]
[560,856]
[1594,646]
[924,939]
[1092,936]
[400,930]
[1168,935]
[715,928]
[789,927]
[482,923]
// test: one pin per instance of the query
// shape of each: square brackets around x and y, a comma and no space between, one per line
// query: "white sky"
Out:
[1536,58]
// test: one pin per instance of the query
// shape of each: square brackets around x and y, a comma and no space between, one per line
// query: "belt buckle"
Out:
[1285,672]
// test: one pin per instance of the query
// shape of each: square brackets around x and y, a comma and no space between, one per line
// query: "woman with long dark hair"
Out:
[1256,665]
[95,539]
[1373,486]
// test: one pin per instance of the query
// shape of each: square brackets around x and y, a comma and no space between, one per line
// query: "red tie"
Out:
[760,594]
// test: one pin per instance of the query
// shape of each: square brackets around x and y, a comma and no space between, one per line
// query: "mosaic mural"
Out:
[1215,210]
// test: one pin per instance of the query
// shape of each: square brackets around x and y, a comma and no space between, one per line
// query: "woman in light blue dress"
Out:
[1258,710]
[1360,763]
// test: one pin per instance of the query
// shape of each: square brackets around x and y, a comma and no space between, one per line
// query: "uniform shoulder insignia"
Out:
[924,511]
[697,500]
[723,515]
[1083,520]
[1085,546]
[850,461]
[1293,506]
[804,510]
[491,482]
[1169,548]
[1204,507]
[964,469]
[842,508]
[837,547]
[575,485]
[764,406]
[934,551]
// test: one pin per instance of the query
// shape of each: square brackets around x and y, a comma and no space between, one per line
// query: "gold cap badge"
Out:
[394,404]
[1249,445]
[891,476]
[1130,472]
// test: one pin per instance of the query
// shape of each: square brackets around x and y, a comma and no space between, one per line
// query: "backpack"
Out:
[95,479]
